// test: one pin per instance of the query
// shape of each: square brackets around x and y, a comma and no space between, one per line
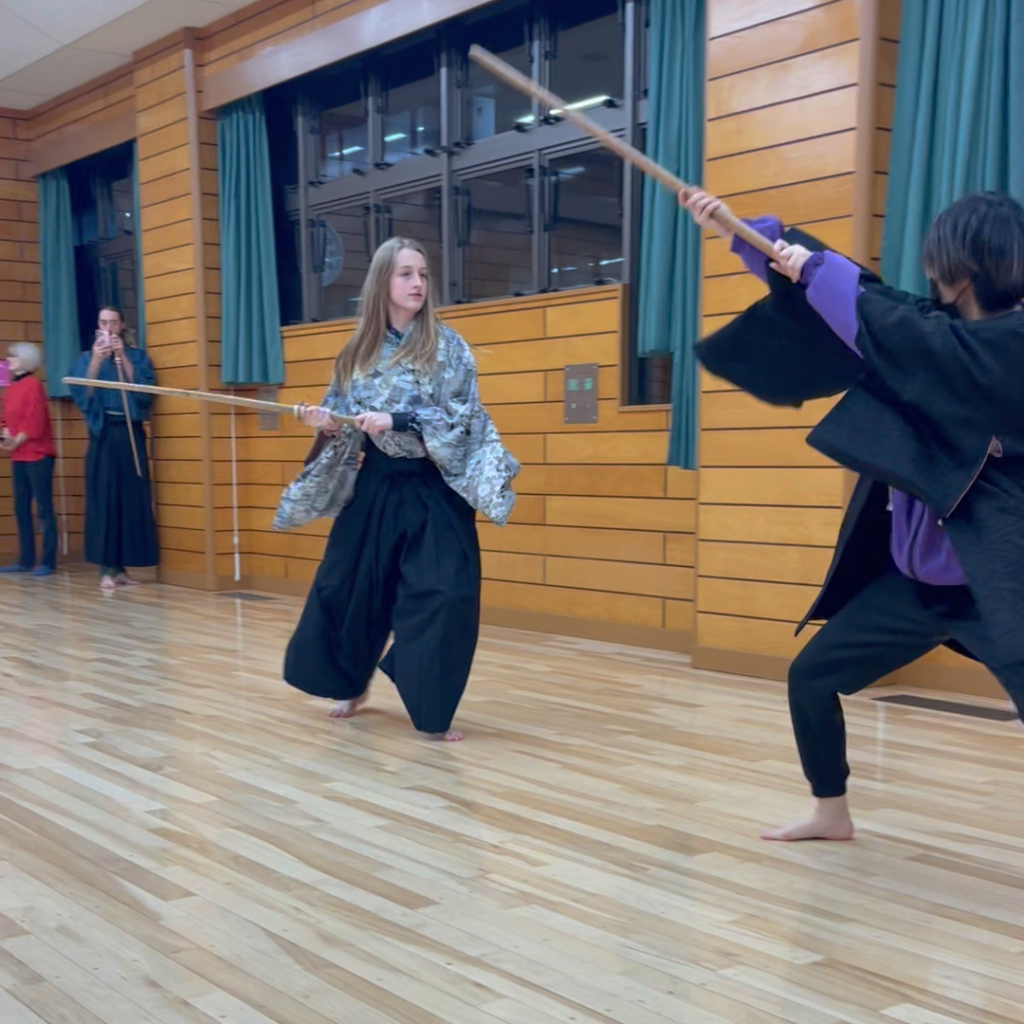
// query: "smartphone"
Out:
[5,374]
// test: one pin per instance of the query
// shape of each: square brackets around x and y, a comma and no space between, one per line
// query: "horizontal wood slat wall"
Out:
[781,139]
[21,294]
[20,313]
[262,26]
[602,537]
[603,541]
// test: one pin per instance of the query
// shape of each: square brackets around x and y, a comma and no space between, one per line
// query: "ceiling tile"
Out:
[67,20]
[150,21]
[38,62]
[20,100]
[20,42]
[66,69]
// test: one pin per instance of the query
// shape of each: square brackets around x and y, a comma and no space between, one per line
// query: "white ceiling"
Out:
[50,46]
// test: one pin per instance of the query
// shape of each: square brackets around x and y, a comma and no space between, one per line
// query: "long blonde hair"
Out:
[362,352]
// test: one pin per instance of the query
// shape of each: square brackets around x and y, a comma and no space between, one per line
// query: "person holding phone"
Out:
[28,437]
[120,530]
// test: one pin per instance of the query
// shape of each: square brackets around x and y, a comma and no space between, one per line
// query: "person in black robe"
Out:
[120,529]
[403,556]
[931,549]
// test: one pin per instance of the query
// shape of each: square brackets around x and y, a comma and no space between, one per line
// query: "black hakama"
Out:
[403,557]
[119,527]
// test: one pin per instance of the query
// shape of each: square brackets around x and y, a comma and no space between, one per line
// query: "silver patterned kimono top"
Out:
[445,423]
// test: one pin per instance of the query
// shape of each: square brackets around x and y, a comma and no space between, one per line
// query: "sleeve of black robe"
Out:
[780,350]
[950,376]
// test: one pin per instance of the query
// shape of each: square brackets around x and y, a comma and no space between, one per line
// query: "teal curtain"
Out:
[668,291]
[958,126]
[251,324]
[140,281]
[61,343]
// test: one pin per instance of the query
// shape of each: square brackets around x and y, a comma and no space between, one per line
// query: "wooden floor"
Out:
[186,839]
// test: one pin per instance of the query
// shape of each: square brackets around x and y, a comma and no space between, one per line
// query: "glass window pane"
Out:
[102,207]
[344,137]
[341,258]
[491,107]
[585,220]
[498,237]
[589,62]
[418,216]
[412,102]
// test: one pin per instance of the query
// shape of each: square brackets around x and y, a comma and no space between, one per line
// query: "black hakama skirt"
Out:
[403,557]
[119,527]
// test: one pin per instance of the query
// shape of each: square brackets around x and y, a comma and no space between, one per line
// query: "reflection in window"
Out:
[344,126]
[589,53]
[497,234]
[102,205]
[491,106]
[341,258]
[585,219]
[412,103]
[418,216]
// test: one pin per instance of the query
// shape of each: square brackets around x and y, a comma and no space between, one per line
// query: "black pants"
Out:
[34,481]
[403,557]
[119,525]
[889,624]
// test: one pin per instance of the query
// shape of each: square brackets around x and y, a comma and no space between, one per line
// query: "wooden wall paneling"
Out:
[816,28]
[602,533]
[59,149]
[786,136]
[315,42]
[21,320]
[175,280]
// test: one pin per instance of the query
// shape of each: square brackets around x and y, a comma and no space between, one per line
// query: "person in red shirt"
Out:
[28,437]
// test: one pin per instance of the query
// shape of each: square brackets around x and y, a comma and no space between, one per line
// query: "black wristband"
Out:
[405,422]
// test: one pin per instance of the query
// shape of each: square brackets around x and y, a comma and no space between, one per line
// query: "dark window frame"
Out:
[459,157]
[92,182]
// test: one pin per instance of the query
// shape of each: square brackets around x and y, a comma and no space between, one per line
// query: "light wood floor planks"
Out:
[184,839]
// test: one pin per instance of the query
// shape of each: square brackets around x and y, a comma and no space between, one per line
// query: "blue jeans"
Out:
[34,480]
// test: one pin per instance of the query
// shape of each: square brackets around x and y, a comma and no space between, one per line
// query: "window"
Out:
[102,206]
[416,140]
[342,125]
[411,102]
[342,248]
[497,234]
[418,215]
[489,106]
[588,68]
[586,219]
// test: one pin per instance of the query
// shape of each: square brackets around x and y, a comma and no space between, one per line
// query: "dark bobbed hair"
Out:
[980,238]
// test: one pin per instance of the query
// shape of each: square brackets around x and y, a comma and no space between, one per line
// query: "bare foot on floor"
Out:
[347,708]
[451,736]
[830,819]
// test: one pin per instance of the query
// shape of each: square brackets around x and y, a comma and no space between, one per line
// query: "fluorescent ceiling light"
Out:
[593,101]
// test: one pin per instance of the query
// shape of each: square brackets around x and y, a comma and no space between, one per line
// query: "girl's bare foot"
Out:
[107,584]
[830,819]
[347,708]
[451,736]
[122,579]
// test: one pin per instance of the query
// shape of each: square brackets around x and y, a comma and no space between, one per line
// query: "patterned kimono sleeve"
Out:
[338,402]
[326,483]
[461,439]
